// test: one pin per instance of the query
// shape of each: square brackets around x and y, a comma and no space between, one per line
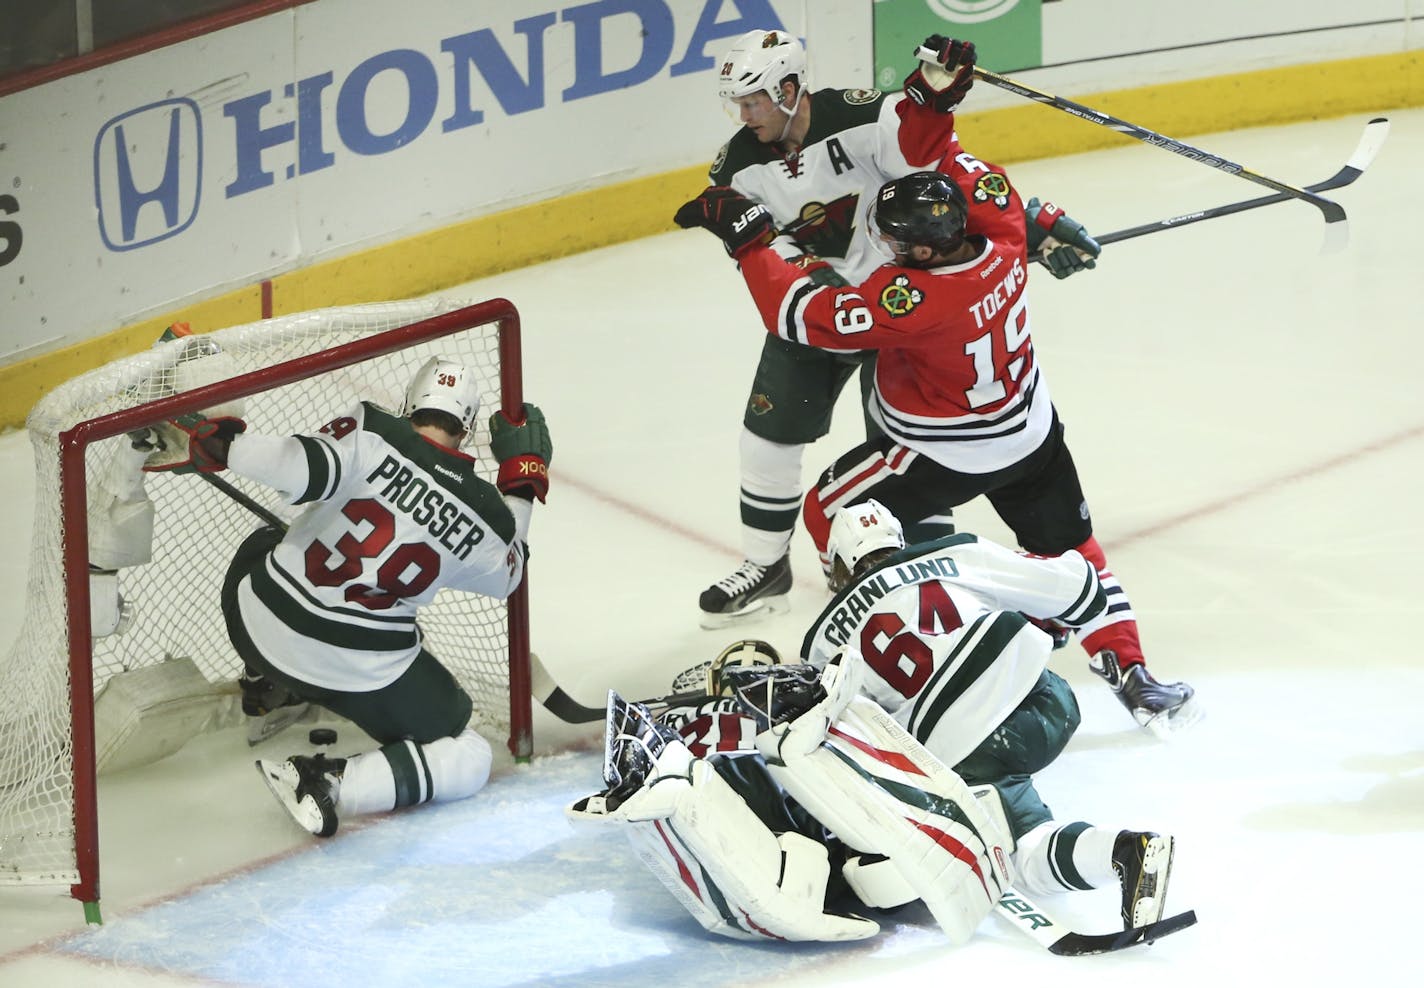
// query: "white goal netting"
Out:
[176,611]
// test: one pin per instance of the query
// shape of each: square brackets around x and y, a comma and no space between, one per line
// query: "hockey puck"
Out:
[322,735]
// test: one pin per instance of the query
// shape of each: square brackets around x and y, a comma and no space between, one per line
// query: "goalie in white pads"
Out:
[394,512]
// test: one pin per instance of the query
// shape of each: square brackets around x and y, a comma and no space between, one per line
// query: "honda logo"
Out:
[148,173]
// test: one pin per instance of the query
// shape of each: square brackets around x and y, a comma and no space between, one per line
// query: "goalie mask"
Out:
[758,62]
[856,532]
[746,653]
[771,695]
[444,386]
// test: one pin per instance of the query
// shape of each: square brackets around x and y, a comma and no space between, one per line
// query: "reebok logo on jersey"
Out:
[899,298]
[446,471]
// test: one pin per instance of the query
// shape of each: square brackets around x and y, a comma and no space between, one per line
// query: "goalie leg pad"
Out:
[880,791]
[719,860]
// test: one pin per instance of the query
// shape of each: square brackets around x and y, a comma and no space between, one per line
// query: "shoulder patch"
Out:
[994,188]
[718,161]
[899,298]
[859,97]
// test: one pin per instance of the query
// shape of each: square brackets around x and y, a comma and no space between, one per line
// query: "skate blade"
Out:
[757,611]
[269,725]
[1167,725]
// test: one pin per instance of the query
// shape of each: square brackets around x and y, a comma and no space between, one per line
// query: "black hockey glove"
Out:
[523,451]
[945,73]
[1066,246]
[740,223]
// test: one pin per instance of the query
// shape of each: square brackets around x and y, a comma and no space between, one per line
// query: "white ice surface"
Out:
[1247,420]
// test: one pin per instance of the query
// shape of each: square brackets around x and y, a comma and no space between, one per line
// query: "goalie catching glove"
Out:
[523,451]
[1064,243]
[191,443]
[739,222]
[945,73]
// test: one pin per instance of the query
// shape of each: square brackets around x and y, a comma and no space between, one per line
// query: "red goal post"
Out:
[292,373]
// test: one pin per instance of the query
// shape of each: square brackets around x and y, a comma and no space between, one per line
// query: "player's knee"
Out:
[460,765]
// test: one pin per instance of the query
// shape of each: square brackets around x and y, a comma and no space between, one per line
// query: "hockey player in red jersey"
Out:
[963,403]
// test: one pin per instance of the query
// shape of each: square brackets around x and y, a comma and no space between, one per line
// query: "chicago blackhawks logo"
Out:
[992,188]
[900,297]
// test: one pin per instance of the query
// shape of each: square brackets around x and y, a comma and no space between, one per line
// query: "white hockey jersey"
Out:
[393,518]
[943,628]
[859,139]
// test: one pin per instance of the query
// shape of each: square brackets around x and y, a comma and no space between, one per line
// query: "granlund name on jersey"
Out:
[391,519]
[943,629]
[859,139]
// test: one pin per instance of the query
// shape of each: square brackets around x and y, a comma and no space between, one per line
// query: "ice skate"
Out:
[268,707]
[1143,862]
[1162,708]
[752,589]
[307,786]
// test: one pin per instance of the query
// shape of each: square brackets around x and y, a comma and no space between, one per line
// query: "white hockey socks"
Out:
[406,773]
[771,497]
[1074,857]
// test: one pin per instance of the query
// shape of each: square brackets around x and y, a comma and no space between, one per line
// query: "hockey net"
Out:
[293,374]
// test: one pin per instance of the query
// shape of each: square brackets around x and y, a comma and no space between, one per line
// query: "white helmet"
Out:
[747,652]
[856,532]
[447,387]
[757,62]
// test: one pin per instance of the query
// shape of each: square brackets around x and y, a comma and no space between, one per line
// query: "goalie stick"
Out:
[553,698]
[1332,211]
[1030,920]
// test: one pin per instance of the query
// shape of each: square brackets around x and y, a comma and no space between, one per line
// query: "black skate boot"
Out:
[1143,862]
[1160,707]
[269,708]
[307,786]
[752,589]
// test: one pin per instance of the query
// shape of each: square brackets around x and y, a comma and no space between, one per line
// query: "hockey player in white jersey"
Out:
[954,675]
[815,161]
[327,609]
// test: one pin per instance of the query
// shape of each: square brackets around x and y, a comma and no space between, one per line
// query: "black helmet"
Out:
[923,208]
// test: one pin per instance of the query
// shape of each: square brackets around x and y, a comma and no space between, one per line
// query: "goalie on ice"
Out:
[840,798]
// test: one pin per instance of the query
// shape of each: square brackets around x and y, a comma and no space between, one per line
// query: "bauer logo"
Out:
[148,173]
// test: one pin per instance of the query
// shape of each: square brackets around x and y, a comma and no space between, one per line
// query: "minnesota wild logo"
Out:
[899,297]
[760,404]
[993,188]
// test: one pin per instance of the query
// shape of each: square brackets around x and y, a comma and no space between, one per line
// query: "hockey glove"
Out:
[819,271]
[191,443]
[524,451]
[740,223]
[1064,243]
[945,73]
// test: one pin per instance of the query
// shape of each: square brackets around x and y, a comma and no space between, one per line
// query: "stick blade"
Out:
[1082,944]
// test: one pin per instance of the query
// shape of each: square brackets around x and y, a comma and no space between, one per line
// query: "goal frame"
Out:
[73,444]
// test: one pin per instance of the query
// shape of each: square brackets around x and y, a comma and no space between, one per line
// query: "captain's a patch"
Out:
[899,298]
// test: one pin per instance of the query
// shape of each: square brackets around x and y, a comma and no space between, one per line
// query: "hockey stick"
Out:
[1332,211]
[1034,923]
[553,698]
[1371,140]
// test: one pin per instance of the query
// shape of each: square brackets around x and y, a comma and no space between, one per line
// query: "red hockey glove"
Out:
[740,223]
[191,443]
[945,73]
[524,451]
